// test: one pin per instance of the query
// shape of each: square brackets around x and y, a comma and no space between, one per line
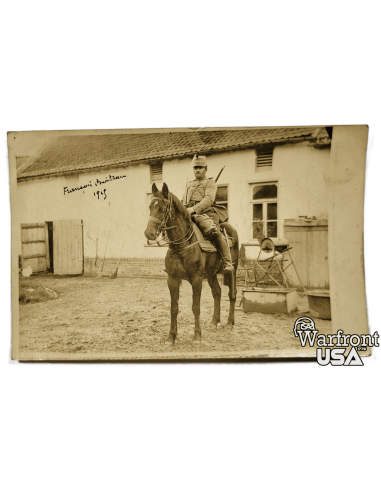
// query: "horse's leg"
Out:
[174,289]
[196,287]
[216,291]
[232,299]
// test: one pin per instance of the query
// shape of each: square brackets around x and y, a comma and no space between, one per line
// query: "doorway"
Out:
[54,246]
[68,247]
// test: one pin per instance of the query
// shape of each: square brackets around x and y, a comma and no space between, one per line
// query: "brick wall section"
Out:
[128,267]
[153,268]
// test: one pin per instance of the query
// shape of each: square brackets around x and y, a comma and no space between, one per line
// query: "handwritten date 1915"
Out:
[99,193]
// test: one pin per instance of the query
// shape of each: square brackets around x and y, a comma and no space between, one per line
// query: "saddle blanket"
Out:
[206,245]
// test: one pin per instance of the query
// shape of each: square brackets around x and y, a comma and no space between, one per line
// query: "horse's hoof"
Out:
[197,338]
[229,325]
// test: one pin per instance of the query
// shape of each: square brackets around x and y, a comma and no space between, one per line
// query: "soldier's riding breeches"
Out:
[207,222]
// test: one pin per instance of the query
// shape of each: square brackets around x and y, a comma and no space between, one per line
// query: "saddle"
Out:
[206,245]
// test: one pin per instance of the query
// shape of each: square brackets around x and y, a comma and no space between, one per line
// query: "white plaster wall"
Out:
[302,171]
[299,169]
[123,214]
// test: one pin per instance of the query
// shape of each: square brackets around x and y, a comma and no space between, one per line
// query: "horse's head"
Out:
[158,212]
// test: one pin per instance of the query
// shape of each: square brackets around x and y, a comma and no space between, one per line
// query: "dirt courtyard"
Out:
[129,318]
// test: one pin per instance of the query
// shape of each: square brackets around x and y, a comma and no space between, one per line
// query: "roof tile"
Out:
[80,152]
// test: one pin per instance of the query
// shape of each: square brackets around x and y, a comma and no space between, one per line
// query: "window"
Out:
[222,195]
[264,158]
[157,172]
[265,210]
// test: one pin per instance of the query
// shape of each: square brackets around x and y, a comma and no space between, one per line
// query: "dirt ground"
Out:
[129,318]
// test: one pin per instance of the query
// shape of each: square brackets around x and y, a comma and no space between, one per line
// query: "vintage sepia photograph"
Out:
[191,219]
[188,243]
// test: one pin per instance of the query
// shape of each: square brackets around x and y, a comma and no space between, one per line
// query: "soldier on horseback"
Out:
[199,199]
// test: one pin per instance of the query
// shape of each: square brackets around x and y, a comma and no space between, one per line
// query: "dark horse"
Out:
[185,260]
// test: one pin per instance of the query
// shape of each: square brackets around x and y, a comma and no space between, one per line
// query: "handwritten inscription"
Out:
[99,193]
[66,189]
[110,178]
[97,182]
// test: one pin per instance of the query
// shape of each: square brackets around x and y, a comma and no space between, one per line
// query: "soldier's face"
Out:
[199,171]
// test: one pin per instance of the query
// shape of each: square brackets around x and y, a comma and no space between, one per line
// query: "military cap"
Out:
[199,160]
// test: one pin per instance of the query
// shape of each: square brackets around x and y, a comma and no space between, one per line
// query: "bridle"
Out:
[168,214]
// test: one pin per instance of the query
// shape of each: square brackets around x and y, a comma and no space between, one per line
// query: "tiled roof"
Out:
[81,152]
[22,162]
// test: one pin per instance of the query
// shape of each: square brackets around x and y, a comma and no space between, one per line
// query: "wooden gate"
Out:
[68,247]
[35,246]
[309,241]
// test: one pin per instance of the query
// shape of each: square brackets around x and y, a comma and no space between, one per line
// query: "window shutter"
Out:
[264,157]
[157,172]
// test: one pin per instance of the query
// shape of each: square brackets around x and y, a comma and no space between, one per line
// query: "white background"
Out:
[182,432]
[223,433]
[201,58]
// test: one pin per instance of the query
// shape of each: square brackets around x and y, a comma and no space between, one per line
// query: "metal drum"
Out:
[273,244]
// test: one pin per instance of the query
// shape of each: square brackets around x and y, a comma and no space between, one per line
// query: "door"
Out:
[35,246]
[318,274]
[68,247]
[299,241]
[309,242]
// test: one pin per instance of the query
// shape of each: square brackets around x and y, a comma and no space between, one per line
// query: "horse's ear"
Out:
[154,189]
[165,191]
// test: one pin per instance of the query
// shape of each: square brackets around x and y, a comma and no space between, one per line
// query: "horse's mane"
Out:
[179,207]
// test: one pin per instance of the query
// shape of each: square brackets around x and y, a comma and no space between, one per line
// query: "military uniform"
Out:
[200,195]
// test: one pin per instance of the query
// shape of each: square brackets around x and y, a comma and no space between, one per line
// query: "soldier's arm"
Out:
[208,200]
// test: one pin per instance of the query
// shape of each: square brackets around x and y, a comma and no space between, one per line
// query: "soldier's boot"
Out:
[219,242]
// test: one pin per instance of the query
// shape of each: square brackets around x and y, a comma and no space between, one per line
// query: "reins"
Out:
[163,225]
